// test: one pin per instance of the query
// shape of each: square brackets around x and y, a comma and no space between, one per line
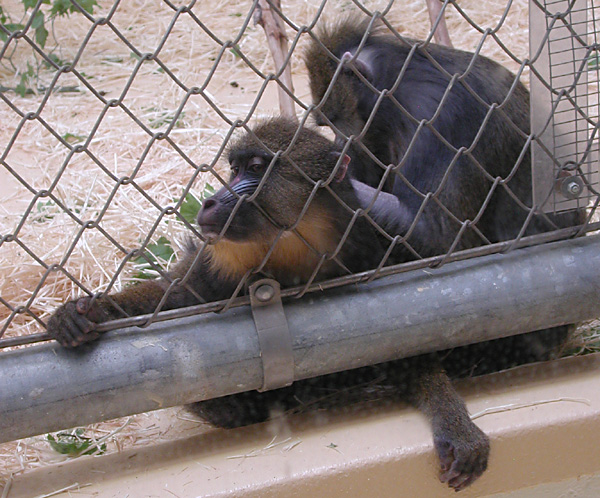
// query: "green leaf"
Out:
[190,207]
[209,190]
[21,89]
[45,211]
[41,35]
[158,253]
[72,138]
[38,20]
[41,205]
[161,250]
[12,27]
[66,7]
[88,5]
[54,58]
[164,118]
[61,7]
[29,4]
[74,443]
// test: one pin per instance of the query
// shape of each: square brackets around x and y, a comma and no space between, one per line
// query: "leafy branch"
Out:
[39,24]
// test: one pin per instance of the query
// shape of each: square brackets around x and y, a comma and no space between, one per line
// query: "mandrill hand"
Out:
[74,323]
[463,450]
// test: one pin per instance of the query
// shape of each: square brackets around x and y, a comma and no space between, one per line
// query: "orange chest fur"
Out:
[291,259]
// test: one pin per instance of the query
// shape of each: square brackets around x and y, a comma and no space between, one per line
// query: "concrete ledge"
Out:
[545,439]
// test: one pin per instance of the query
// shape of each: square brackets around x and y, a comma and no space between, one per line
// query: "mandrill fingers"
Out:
[70,325]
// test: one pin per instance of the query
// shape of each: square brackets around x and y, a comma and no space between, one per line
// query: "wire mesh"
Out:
[564,104]
[119,132]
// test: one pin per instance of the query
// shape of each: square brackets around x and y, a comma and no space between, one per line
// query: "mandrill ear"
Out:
[341,167]
[361,62]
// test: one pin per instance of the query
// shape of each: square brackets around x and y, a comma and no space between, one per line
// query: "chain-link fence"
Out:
[116,120]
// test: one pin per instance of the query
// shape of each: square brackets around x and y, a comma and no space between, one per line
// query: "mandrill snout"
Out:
[208,217]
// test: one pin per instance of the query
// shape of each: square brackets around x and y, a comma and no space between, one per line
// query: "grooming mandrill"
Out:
[448,140]
[452,127]
[301,212]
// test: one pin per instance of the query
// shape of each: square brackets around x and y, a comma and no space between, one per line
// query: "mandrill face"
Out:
[274,172]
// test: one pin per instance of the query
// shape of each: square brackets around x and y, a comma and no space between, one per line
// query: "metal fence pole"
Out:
[46,388]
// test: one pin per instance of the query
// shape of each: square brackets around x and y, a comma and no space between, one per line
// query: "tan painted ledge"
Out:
[547,444]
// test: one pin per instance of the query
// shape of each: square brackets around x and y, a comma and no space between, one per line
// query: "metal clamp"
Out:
[273,334]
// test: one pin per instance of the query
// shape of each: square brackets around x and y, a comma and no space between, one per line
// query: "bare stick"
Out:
[441,33]
[278,44]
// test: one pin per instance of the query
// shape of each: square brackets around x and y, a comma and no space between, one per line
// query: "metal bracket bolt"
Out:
[273,334]
[571,187]
[264,293]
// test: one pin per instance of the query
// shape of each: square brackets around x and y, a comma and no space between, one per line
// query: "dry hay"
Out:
[144,429]
[119,143]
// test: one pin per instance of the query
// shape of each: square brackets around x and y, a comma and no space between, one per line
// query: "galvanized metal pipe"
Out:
[47,388]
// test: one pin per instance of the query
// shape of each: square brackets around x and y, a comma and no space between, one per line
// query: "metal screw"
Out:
[264,293]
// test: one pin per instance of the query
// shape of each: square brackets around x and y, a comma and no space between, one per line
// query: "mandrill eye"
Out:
[256,165]
[235,169]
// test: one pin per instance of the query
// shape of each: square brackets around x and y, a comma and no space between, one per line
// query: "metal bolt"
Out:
[264,293]
[574,188]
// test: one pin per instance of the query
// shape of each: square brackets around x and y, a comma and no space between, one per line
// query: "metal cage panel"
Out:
[564,104]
